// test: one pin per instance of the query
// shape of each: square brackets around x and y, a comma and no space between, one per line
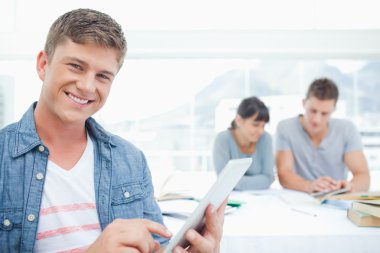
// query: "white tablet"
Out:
[226,181]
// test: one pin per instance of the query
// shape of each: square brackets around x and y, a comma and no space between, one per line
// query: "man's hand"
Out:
[209,242]
[344,184]
[325,184]
[129,236]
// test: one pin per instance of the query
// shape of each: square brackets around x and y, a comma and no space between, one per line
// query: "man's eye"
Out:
[103,76]
[76,66]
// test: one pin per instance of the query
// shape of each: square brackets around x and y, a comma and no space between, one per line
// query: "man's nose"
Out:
[86,83]
[317,118]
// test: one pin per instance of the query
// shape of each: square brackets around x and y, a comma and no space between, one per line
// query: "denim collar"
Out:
[26,136]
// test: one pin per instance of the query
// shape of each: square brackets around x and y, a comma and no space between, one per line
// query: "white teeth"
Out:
[78,100]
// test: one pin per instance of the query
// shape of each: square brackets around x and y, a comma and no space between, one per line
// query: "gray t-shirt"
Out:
[326,159]
[260,174]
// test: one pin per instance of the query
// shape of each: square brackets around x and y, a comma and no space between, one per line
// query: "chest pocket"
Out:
[128,201]
[10,230]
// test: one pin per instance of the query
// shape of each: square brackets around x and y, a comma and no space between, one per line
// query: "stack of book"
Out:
[365,213]
[363,208]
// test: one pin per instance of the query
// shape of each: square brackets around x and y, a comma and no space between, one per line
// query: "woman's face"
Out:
[250,128]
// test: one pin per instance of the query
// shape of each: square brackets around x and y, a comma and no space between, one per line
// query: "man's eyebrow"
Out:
[107,73]
[71,58]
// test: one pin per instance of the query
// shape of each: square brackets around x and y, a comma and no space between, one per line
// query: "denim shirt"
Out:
[123,186]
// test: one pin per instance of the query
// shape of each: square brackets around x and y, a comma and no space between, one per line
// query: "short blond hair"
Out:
[84,26]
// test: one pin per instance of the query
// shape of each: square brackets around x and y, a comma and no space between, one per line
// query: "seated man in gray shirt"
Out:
[314,152]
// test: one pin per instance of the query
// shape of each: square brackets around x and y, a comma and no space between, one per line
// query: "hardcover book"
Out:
[371,207]
[362,219]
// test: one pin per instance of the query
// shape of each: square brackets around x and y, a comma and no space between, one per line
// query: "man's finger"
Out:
[222,207]
[197,241]
[130,250]
[141,240]
[329,180]
[157,228]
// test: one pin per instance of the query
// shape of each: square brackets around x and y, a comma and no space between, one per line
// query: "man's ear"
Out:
[41,64]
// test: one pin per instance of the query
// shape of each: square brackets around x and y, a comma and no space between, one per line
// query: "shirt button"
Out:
[31,217]
[40,176]
[6,222]
[41,148]
[127,195]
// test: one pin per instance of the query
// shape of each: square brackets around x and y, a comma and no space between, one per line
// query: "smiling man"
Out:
[314,151]
[66,184]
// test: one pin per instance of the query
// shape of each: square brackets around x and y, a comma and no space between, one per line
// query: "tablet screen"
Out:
[226,181]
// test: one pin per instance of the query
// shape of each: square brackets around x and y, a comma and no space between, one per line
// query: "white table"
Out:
[276,221]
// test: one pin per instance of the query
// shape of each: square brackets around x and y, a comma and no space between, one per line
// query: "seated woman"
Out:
[246,138]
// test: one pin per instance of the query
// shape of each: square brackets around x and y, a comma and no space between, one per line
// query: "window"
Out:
[185,102]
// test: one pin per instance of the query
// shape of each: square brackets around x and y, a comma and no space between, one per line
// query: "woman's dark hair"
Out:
[251,106]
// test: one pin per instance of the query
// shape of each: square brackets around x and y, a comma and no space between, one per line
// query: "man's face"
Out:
[317,114]
[76,80]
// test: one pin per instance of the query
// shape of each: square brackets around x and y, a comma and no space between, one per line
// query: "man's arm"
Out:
[357,164]
[289,179]
[285,161]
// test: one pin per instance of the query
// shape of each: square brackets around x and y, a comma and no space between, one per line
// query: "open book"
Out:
[323,196]
[185,185]
[183,208]
[343,199]
[358,196]
[181,192]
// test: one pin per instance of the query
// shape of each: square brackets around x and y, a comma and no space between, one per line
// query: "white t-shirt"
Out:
[68,219]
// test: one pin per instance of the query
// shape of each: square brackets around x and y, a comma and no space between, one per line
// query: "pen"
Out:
[304,212]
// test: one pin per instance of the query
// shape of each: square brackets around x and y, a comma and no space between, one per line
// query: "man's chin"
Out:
[315,130]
